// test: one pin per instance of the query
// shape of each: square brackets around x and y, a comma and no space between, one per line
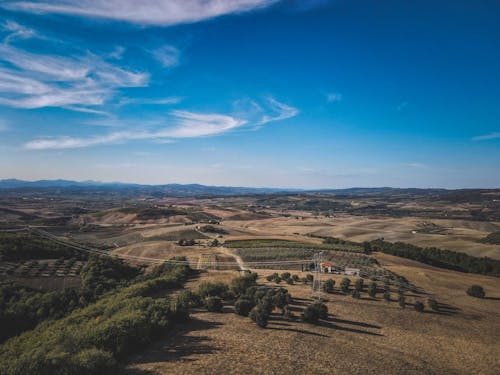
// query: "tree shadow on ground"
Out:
[492,298]
[329,324]
[179,346]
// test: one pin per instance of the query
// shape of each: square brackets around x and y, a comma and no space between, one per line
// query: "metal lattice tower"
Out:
[316,288]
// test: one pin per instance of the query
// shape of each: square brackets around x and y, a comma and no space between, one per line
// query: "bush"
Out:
[310,315]
[433,305]
[372,289]
[289,281]
[329,286]
[187,298]
[259,315]
[213,304]
[402,301]
[322,309]
[208,289]
[359,285]
[243,306]
[345,284]
[419,306]
[277,279]
[285,275]
[309,278]
[239,285]
[295,278]
[476,291]
[314,312]
[356,294]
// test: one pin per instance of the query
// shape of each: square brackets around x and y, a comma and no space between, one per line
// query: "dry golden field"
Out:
[360,336]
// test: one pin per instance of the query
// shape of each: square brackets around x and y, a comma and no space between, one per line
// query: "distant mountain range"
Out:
[196,189]
[174,189]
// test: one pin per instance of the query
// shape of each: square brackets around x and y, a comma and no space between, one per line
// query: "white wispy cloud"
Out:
[187,125]
[168,56]
[182,124]
[144,12]
[333,97]
[79,82]
[281,111]
[485,137]
[17,31]
[153,101]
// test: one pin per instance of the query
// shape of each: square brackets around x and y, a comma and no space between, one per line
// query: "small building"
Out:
[327,267]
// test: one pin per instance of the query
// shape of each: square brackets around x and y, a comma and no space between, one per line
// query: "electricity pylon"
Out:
[316,288]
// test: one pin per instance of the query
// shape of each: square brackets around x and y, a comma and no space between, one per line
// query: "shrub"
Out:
[187,298]
[309,278]
[356,294]
[419,306]
[322,309]
[329,286]
[310,315]
[476,291]
[285,275]
[259,315]
[402,301]
[359,285]
[243,306]
[372,289]
[213,304]
[270,277]
[433,305]
[239,285]
[295,278]
[277,279]
[345,284]
[208,289]
[289,281]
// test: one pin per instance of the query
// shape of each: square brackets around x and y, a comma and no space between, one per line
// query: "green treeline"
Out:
[20,246]
[440,258]
[94,339]
[22,308]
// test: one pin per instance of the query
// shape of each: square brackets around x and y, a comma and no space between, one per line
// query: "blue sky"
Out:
[307,94]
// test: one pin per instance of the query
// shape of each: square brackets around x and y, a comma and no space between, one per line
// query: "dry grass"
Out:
[361,336]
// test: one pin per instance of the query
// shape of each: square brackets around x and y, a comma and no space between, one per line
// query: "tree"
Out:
[356,294]
[432,303]
[208,289]
[322,310]
[285,275]
[419,306]
[213,304]
[310,314]
[329,286]
[295,278]
[344,285]
[259,315]
[372,289]
[239,285]
[359,285]
[402,301]
[476,291]
[243,306]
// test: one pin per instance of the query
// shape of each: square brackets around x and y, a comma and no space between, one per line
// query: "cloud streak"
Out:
[144,12]
[77,82]
[187,125]
[184,124]
[486,137]
[281,111]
